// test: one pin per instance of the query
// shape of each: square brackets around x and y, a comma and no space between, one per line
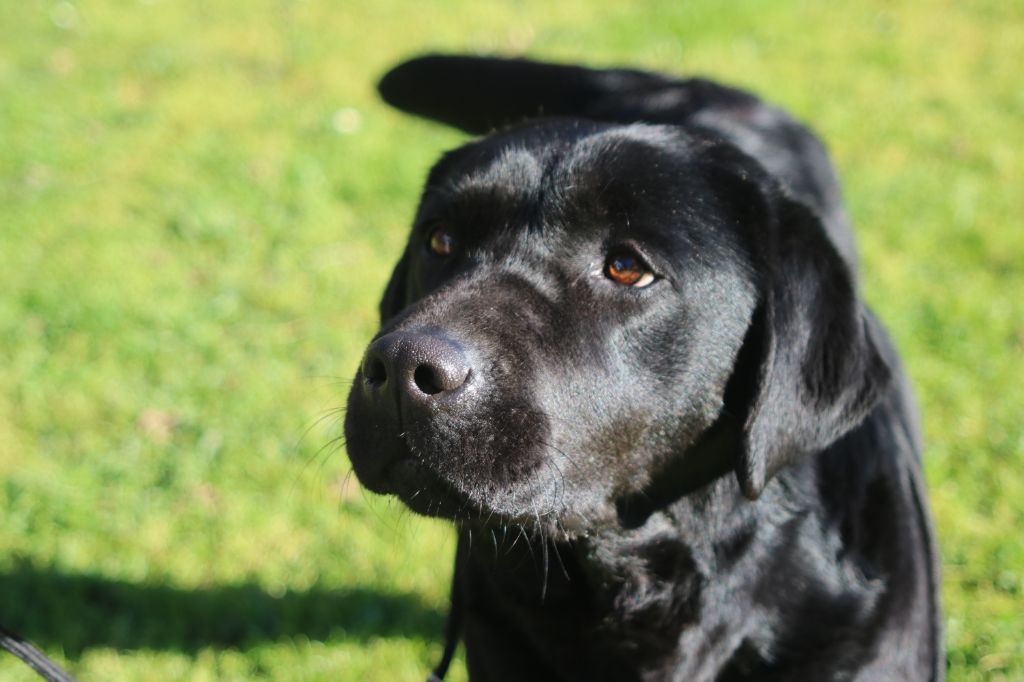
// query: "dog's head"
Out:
[581,301]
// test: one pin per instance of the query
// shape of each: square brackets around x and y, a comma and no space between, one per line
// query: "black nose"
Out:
[415,365]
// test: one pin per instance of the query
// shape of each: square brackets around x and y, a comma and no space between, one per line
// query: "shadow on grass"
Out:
[77,612]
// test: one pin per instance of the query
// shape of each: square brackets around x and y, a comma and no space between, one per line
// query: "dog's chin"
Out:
[539,504]
[427,493]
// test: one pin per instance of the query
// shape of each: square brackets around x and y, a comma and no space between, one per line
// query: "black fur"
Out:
[715,477]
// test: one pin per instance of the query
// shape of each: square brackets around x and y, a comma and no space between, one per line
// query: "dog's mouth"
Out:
[426,492]
[431,493]
[481,459]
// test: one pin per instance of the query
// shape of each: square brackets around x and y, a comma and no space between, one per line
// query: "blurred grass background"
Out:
[200,203]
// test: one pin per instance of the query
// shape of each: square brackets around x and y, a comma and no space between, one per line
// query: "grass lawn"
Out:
[200,203]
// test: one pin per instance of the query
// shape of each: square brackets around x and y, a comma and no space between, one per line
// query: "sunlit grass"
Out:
[200,202]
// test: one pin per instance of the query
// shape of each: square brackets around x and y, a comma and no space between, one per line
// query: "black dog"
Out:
[643,286]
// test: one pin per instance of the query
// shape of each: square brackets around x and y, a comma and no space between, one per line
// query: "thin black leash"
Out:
[453,627]
[451,637]
[33,657]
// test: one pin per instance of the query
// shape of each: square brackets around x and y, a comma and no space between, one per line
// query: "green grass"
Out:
[200,202]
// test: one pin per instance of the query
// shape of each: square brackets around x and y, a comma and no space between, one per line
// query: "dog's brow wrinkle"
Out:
[514,167]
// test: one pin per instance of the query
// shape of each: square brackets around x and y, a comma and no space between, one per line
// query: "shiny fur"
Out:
[716,477]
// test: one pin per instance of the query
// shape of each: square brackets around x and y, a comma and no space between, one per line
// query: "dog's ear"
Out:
[479,94]
[394,298]
[817,370]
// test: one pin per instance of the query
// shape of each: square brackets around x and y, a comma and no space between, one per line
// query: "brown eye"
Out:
[441,243]
[627,269]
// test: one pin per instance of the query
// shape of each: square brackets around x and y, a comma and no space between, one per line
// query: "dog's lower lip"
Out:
[422,490]
[401,469]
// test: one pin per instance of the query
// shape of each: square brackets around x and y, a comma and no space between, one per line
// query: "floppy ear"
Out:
[820,371]
[394,298]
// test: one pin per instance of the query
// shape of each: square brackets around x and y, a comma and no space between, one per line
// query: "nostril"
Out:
[426,380]
[374,372]
[416,366]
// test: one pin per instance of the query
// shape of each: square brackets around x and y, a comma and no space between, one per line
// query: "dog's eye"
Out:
[626,268]
[441,242]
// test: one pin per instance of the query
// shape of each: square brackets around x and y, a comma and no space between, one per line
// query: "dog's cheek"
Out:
[592,418]
[650,393]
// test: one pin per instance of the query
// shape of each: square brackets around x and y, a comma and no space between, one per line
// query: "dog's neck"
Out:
[671,594]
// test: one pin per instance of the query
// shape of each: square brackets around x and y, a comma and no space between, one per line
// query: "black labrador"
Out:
[624,350]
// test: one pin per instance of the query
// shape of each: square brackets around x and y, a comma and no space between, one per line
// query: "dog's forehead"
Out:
[514,171]
[557,152]
[546,173]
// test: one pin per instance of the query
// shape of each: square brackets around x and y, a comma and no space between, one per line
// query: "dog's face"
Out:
[588,310]
[578,303]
